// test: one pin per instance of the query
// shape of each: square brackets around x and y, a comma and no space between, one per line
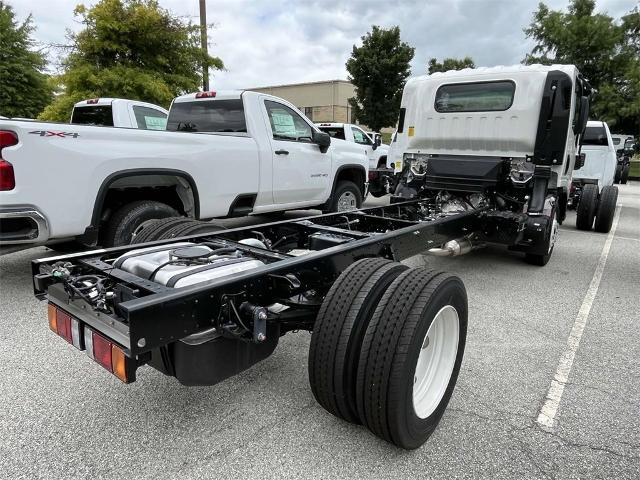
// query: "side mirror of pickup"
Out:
[378,140]
[580,159]
[322,139]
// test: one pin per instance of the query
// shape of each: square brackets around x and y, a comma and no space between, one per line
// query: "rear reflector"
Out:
[205,95]
[53,319]
[8,139]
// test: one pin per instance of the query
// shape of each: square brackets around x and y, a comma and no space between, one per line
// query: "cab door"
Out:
[363,139]
[301,172]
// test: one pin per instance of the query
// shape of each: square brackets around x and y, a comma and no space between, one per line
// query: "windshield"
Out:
[207,116]
[595,136]
[334,132]
[99,115]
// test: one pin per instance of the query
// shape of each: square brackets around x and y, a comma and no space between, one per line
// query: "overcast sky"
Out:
[272,42]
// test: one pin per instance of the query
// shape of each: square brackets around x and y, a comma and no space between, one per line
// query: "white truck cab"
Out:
[376,151]
[119,112]
[600,156]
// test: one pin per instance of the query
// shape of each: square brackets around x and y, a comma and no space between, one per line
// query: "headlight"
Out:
[417,163]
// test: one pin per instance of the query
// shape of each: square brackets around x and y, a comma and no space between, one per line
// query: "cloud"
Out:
[271,42]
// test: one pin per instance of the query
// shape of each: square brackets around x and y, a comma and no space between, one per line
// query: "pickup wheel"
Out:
[618,174]
[624,176]
[127,219]
[586,210]
[347,196]
[411,356]
[606,209]
[152,230]
[338,332]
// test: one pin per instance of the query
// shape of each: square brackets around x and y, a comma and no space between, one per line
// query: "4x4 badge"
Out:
[48,133]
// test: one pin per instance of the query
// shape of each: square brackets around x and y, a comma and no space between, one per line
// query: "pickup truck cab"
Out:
[225,154]
[119,112]
[376,151]
[600,156]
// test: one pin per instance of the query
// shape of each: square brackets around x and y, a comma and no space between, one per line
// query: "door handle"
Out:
[281,152]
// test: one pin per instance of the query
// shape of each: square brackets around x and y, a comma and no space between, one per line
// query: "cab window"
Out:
[494,96]
[286,124]
[360,137]
[150,118]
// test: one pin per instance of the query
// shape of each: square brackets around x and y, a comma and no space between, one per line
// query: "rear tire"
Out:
[586,210]
[124,222]
[401,395]
[618,174]
[172,228]
[347,196]
[340,326]
[625,174]
[606,209]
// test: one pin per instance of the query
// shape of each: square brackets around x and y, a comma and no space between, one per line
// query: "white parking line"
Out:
[546,417]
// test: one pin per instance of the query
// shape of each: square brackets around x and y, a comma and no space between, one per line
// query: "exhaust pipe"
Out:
[456,247]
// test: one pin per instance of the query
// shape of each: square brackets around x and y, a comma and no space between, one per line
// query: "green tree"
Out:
[132,49]
[378,70]
[449,64]
[605,50]
[24,90]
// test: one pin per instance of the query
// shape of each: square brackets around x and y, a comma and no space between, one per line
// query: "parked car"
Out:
[624,154]
[592,191]
[119,112]
[381,177]
[225,154]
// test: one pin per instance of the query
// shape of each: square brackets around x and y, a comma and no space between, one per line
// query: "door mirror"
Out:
[581,123]
[322,139]
[580,159]
[374,146]
[378,140]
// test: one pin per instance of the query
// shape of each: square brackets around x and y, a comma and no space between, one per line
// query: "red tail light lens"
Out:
[63,324]
[205,95]
[102,351]
[7,177]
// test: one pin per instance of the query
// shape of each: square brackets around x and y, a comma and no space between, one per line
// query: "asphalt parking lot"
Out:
[575,320]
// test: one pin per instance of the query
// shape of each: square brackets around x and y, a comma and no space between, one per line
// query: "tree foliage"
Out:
[24,90]
[449,64]
[132,49]
[606,51]
[378,70]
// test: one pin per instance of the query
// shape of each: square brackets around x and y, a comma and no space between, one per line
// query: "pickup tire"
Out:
[586,210]
[606,209]
[124,222]
[347,196]
[166,228]
[411,356]
[338,332]
[624,177]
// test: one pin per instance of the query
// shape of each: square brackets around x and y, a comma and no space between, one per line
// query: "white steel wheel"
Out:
[436,361]
[347,201]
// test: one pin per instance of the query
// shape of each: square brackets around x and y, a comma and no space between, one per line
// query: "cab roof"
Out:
[210,95]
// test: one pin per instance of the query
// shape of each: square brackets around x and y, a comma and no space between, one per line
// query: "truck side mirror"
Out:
[580,159]
[322,139]
[581,124]
[378,140]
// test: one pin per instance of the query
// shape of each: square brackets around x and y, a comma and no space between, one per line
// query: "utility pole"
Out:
[203,43]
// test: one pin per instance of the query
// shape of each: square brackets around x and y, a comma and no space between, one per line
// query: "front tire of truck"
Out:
[606,209]
[624,177]
[125,221]
[347,196]
[586,210]
[551,235]
[411,356]
[339,330]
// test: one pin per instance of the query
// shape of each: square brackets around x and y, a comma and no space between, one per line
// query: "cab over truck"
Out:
[503,139]
[225,154]
[202,304]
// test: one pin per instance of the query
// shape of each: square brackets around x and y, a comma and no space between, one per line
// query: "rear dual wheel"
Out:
[387,347]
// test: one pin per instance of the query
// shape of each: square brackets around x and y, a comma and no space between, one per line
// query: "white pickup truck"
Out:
[226,154]
[119,112]
[381,176]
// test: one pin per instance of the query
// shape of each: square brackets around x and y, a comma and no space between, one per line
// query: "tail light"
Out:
[7,177]
[205,95]
[100,349]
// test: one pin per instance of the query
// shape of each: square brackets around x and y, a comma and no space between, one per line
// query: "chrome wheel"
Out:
[436,361]
[347,201]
